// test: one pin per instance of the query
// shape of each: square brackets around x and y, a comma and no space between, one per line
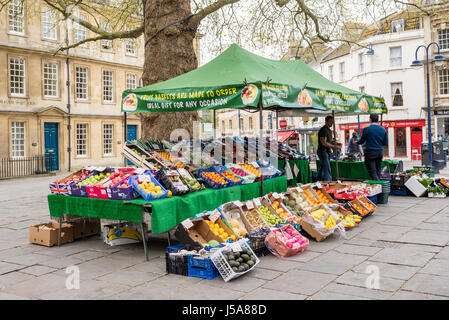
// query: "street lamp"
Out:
[370,51]
[439,60]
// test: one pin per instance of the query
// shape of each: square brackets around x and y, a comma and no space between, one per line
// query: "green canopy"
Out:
[239,79]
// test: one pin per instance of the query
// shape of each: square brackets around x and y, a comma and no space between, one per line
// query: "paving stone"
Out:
[437,238]
[264,274]
[267,294]
[64,250]
[202,291]
[300,282]
[358,291]
[357,249]
[102,266]
[15,252]
[388,270]
[38,270]
[37,287]
[149,291]
[88,255]
[272,262]
[333,263]
[432,226]
[60,262]
[304,257]
[129,277]
[89,290]
[156,265]
[428,283]
[443,254]
[6,267]
[436,267]
[7,296]
[176,281]
[402,256]
[326,245]
[6,245]
[328,295]
[12,278]
[402,221]
[243,283]
[29,259]
[407,295]
[360,280]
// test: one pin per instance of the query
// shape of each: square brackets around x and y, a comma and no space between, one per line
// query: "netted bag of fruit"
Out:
[286,241]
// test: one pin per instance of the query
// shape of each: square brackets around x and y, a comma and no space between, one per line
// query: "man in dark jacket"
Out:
[324,150]
[376,137]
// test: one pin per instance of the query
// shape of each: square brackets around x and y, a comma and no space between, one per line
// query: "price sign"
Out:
[116,170]
[100,169]
[139,170]
[249,205]
[214,215]
[318,185]
[255,165]
[276,195]
[238,203]
[257,202]
[144,178]
[187,223]
[235,246]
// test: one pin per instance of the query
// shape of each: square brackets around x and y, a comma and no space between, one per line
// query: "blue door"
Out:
[51,146]
[131,135]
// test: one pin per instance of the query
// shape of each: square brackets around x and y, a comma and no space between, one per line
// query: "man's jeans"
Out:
[373,161]
[324,172]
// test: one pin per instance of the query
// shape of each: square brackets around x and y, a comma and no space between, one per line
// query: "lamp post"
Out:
[438,59]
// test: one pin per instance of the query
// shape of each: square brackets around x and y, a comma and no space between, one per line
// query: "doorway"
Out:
[51,138]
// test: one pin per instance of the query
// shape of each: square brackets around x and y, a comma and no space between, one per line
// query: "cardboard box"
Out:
[326,195]
[46,234]
[307,227]
[415,186]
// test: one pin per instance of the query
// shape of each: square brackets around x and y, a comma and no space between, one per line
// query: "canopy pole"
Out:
[358,120]
[277,125]
[335,146]
[214,124]
[261,145]
[125,137]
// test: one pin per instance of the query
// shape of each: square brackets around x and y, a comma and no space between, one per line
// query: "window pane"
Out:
[16,15]
[18,139]
[49,24]
[106,44]
[443,81]
[80,31]
[17,76]
[131,81]
[107,139]
[81,139]
[443,39]
[108,86]
[396,56]
[81,83]
[50,79]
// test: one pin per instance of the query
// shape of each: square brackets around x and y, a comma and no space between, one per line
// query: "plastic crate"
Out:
[210,182]
[223,266]
[175,247]
[221,169]
[399,193]
[247,179]
[373,199]
[143,193]
[201,268]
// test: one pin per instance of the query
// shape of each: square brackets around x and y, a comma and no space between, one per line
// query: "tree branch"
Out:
[200,15]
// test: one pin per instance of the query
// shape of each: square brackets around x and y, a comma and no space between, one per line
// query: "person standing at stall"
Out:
[376,138]
[353,147]
[324,150]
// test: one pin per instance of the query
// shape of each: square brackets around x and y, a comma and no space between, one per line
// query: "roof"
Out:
[283,135]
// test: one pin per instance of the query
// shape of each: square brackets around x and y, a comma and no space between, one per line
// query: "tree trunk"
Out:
[169,54]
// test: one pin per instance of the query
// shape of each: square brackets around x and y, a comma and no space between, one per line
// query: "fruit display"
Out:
[282,212]
[219,231]
[238,227]
[359,207]
[93,179]
[350,220]
[318,214]
[286,241]
[213,178]
[166,155]
[255,219]
[151,188]
[296,202]
[368,204]
[189,180]
[76,177]
[268,216]
[330,222]
[250,168]
[233,179]
[238,172]
[148,187]
[323,197]
[312,197]
[240,261]
[171,180]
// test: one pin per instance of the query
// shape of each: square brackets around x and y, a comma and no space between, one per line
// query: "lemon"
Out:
[233,237]
[221,231]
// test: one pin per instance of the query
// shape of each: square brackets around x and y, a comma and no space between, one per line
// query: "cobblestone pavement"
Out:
[405,242]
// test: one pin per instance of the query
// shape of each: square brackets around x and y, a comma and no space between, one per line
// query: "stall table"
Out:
[356,169]
[165,213]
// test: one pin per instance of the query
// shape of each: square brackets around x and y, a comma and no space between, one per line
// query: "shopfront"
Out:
[404,136]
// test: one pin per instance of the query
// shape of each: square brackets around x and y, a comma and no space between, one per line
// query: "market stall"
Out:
[356,169]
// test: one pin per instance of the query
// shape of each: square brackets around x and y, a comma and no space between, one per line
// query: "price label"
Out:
[238,203]
[139,171]
[100,169]
[116,170]
[144,178]
[255,165]
[187,223]
[276,195]
[318,185]
[257,202]
[214,215]
[339,181]
[236,247]
[249,205]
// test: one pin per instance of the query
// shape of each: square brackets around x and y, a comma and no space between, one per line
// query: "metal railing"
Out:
[25,166]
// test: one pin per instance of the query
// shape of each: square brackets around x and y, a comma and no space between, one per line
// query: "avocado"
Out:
[241,269]
[250,263]
[245,257]
[233,263]
[231,256]
[240,260]
[237,264]
[236,255]
[235,269]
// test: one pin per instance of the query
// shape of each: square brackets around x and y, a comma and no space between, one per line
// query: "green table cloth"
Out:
[355,169]
[304,175]
[165,213]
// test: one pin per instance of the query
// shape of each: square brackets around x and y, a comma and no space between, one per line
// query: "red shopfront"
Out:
[407,136]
